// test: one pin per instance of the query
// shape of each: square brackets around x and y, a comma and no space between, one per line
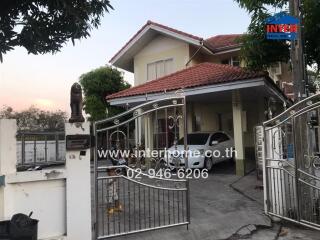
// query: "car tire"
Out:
[208,164]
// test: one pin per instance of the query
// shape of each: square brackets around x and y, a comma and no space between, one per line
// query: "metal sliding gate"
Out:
[134,189]
[292,163]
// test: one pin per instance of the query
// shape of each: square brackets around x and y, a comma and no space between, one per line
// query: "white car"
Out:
[204,150]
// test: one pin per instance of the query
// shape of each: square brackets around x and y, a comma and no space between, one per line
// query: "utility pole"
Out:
[300,80]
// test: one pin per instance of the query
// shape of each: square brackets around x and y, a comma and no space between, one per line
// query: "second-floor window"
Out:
[159,69]
[233,61]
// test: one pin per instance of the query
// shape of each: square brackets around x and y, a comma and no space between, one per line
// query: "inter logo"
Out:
[282,27]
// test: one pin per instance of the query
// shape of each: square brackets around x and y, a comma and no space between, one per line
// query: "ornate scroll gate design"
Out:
[129,197]
[292,163]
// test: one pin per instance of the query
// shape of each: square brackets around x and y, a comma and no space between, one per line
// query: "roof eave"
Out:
[244,83]
[232,48]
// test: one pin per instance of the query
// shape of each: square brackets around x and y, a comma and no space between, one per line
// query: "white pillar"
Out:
[148,131]
[8,146]
[238,132]
[189,117]
[8,161]
[78,187]
[138,128]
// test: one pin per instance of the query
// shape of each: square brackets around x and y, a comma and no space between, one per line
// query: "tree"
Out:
[260,53]
[313,81]
[43,26]
[312,32]
[35,119]
[6,112]
[98,84]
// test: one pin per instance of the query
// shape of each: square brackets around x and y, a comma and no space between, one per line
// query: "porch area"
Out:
[233,104]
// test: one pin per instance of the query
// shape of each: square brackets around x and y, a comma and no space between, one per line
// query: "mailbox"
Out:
[78,142]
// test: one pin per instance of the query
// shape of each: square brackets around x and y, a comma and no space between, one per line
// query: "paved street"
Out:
[226,207]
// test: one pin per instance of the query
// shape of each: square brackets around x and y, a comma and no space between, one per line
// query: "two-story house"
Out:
[220,94]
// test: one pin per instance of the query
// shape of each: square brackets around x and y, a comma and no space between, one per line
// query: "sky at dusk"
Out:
[45,80]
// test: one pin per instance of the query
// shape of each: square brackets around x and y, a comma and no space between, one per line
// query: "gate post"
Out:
[8,160]
[78,189]
[264,170]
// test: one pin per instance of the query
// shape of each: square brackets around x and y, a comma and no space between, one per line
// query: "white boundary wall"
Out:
[59,197]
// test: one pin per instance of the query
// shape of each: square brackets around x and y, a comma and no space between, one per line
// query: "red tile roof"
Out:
[223,41]
[199,75]
[214,43]
[161,26]
[175,30]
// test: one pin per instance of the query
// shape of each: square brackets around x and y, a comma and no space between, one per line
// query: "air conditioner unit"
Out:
[275,69]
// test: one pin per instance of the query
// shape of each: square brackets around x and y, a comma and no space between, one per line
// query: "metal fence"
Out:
[259,147]
[292,163]
[132,197]
[138,203]
[40,149]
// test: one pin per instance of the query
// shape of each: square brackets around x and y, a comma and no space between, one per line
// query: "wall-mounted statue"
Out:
[76,103]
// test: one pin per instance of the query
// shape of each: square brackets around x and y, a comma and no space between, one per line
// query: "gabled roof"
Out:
[199,75]
[124,57]
[151,23]
[223,42]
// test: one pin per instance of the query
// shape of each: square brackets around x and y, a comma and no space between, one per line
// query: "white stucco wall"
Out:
[208,114]
[46,198]
[252,114]
[52,194]
[8,129]
[79,222]
[160,48]
[41,192]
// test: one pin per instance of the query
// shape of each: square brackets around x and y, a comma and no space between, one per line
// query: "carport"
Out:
[219,97]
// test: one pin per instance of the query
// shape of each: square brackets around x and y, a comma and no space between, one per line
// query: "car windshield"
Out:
[195,139]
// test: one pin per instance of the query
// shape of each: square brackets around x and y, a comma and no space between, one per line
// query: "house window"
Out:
[233,61]
[159,69]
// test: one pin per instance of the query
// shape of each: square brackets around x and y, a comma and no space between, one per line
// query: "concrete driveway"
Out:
[217,211]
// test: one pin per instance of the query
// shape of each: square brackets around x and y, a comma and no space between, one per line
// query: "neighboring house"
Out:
[220,94]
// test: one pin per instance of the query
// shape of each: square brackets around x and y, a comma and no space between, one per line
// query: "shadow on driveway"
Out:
[217,210]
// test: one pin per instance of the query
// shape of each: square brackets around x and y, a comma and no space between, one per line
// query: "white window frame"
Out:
[156,62]
[231,61]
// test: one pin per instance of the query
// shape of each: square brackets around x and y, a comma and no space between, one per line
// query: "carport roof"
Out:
[199,75]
